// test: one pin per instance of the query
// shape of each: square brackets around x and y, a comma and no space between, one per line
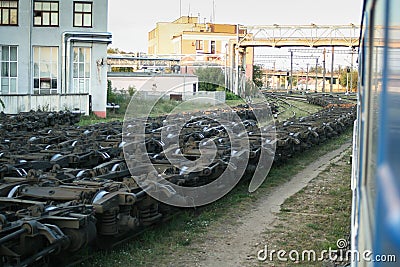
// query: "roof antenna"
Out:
[213,12]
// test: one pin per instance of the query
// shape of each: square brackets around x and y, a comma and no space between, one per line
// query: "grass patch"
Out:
[319,215]
[296,108]
[93,119]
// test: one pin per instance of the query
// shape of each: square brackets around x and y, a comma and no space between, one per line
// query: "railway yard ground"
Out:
[303,205]
[58,168]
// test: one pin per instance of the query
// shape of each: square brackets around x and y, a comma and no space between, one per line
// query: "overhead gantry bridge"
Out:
[241,55]
[300,35]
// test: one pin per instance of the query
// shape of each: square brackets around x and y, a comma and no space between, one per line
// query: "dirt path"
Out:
[234,242]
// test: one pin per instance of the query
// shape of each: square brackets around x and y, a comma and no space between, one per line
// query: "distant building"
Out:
[160,38]
[278,79]
[165,84]
[196,43]
[53,55]
[150,86]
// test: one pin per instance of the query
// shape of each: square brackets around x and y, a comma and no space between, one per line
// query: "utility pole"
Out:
[323,72]
[274,78]
[237,68]
[226,66]
[213,11]
[316,74]
[338,84]
[307,78]
[291,72]
[333,54]
[347,80]
[351,71]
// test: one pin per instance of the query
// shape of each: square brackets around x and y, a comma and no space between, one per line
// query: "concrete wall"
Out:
[23,103]
[26,36]
[206,97]
[158,83]
[200,97]
[154,87]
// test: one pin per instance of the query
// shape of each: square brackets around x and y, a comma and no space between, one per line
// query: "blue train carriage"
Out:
[376,150]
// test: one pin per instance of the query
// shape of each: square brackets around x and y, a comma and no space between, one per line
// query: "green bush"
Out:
[131,90]
[231,96]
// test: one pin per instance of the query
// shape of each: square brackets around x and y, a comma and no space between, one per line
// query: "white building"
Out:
[167,86]
[157,84]
[53,55]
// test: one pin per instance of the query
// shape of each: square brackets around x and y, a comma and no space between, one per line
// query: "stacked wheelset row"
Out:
[64,188]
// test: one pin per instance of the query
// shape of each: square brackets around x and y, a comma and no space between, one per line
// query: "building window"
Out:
[9,69]
[8,12]
[45,70]
[82,14]
[81,70]
[45,13]
[212,47]
[199,44]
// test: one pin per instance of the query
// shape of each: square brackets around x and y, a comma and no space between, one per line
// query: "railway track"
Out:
[64,188]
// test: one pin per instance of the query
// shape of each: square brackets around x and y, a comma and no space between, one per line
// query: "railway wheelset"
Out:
[65,188]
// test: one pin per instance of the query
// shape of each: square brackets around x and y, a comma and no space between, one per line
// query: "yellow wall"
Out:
[249,62]
[223,28]
[161,44]
[160,39]
[218,47]
[179,37]
[188,47]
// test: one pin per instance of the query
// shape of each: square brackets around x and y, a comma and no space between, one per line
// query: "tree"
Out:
[258,76]
[110,94]
[351,75]
[319,69]
[111,50]
[210,78]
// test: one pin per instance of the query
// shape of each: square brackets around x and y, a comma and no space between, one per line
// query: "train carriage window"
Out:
[393,87]
[373,88]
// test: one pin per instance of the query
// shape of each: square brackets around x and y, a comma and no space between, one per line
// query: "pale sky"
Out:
[130,21]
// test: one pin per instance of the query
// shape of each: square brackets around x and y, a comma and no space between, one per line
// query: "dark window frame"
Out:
[45,84]
[42,12]
[9,13]
[199,45]
[213,45]
[82,14]
[7,72]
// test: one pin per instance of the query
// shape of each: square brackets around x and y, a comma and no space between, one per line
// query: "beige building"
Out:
[279,80]
[197,43]
[160,38]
